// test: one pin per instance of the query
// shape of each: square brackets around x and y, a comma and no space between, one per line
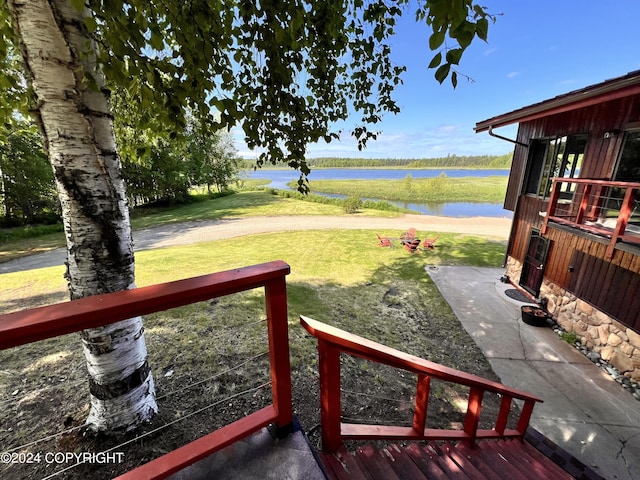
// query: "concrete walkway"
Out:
[584,411]
[258,457]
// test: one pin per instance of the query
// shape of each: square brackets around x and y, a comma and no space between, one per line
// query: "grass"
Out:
[22,241]
[569,337]
[339,257]
[420,190]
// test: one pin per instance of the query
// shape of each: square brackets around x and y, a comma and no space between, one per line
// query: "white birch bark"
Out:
[78,133]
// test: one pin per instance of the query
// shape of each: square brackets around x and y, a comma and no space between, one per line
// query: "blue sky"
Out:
[535,51]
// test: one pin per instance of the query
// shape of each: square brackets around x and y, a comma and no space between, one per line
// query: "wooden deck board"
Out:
[479,458]
[341,465]
[403,464]
[375,463]
[458,462]
[495,455]
[425,462]
[487,460]
[553,470]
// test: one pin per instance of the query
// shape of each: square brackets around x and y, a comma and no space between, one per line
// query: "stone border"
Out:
[631,386]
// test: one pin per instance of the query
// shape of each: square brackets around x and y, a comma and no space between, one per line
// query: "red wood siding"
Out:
[527,217]
[610,285]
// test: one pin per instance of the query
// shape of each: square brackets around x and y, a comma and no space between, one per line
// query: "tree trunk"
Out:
[78,134]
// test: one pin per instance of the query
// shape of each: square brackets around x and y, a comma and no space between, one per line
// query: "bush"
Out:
[352,205]
[569,337]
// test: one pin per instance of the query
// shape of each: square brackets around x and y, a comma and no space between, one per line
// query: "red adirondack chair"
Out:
[408,236]
[412,245]
[430,243]
[383,241]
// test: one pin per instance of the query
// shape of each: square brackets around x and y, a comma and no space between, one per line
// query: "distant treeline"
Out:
[450,161]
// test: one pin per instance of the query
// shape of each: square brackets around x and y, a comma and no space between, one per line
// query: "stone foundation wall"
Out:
[617,344]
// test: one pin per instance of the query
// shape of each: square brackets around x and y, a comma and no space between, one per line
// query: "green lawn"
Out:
[348,258]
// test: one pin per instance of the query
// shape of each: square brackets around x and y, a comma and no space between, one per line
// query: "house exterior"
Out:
[574,190]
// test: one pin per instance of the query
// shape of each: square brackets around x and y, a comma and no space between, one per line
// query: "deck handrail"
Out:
[27,326]
[332,341]
[587,203]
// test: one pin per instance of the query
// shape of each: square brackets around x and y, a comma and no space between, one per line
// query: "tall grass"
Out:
[440,189]
[344,203]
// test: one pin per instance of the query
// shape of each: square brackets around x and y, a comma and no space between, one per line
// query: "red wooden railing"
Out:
[45,322]
[332,341]
[605,208]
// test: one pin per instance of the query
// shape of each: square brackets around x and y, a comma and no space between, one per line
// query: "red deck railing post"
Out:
[278,332]
[472,419]
[553,201]
[584,203]
[332,341]
[623,219]
[592,210]
[525,416]
[421,405]
[28,326]
[330,403]
[598,201]
[503,414]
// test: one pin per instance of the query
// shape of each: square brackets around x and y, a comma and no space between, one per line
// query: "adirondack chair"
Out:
[430,243]
[408,236]
[412,245]
[383,241]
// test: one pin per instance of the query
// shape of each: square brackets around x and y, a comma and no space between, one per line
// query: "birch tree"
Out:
[285,71]
[76,125]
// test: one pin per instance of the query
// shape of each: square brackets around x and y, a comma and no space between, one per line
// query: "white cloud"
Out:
[512,74]
[431,140]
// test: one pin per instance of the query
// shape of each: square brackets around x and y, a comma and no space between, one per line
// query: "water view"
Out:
[280,177]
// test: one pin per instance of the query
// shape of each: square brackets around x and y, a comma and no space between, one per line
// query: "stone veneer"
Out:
[616,343]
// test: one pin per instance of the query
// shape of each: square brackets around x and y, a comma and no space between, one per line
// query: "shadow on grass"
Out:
[15,304]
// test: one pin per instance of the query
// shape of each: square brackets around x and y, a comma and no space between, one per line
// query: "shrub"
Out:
[569,337]
[352,204]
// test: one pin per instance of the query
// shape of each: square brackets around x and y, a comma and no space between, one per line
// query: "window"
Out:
[557,157]
[628,169]
[537,155]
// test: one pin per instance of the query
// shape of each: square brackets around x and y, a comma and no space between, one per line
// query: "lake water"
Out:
[280,177]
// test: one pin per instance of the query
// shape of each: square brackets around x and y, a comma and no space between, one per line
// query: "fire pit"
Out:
[534,316]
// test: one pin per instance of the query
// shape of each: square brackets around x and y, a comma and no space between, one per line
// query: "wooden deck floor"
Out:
[490,459]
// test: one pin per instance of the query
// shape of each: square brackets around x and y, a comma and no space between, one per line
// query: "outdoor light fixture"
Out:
[611,133]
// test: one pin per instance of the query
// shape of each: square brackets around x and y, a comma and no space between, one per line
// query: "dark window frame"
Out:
[559,156]
[624,157]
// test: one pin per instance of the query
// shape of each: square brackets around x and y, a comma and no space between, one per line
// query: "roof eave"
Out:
[603,92]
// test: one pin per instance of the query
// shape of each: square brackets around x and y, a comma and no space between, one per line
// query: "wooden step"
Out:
[487,460]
